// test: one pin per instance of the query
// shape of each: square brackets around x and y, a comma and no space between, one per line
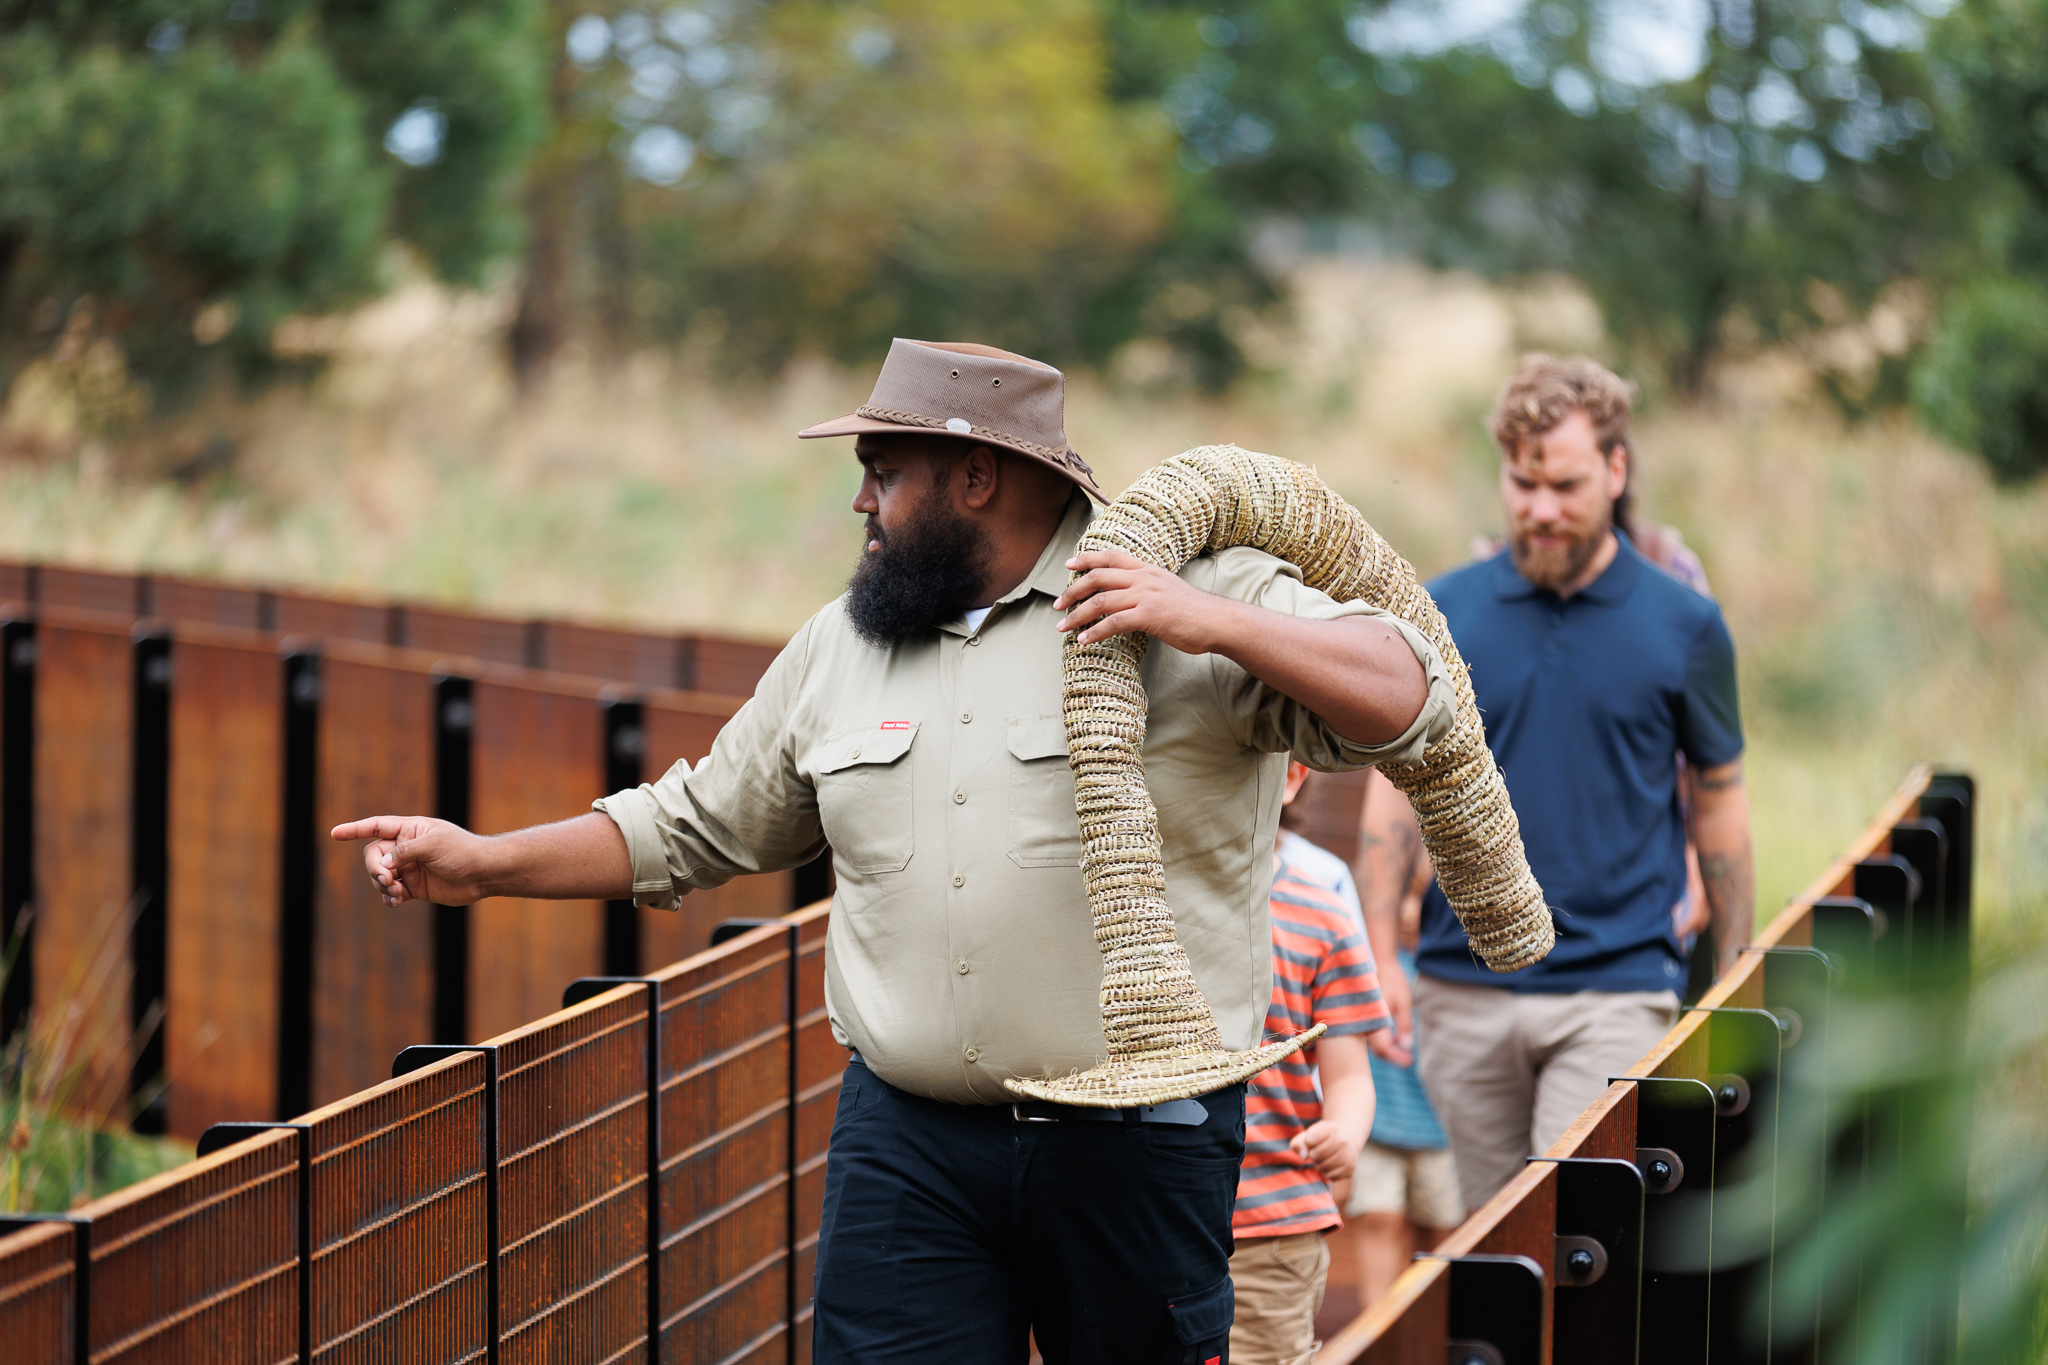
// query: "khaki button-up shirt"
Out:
[960,949]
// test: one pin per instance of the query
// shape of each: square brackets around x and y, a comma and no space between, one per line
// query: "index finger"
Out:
[1105,559]
[375,827]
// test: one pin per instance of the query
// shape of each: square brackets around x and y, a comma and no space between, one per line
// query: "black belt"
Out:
[1188,1113]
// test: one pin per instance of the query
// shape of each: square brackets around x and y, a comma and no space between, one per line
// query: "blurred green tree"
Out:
[1983,382]
[813,176]
[194,179]
[1691,164]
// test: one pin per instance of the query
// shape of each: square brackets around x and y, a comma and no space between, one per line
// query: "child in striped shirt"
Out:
[1306,1118]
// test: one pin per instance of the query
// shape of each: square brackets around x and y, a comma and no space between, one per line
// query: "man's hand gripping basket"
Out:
[1162,1037]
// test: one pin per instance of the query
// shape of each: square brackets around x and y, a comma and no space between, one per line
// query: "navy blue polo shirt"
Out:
[1586,701]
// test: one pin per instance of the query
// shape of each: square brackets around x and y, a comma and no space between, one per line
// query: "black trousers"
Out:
[951,1229]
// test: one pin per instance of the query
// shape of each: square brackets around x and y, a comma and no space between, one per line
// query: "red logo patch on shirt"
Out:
[895,725]
[1213,1360]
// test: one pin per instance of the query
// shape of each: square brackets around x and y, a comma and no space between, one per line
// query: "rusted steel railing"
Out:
[1630,1190]
[648,1163]
[171,755]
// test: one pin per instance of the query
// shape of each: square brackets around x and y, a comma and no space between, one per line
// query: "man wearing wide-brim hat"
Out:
[913,726]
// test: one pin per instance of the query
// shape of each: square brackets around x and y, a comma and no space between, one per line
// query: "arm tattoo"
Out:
[1731,884]
[1717,779]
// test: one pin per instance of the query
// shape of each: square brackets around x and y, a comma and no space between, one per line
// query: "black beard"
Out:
[928,572]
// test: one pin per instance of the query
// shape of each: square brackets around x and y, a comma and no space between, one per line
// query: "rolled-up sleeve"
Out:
[1267,719]
[744,809]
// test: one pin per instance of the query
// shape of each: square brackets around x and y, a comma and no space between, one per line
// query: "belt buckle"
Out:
[1017,1113]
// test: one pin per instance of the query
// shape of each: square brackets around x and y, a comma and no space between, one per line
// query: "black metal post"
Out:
[454,725]
[149,854]
[17,821]
[298,865]
[625,748]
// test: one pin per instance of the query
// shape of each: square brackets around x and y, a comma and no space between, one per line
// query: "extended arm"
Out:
[1333,1142]
[1359,675]
[1720,830]
[411,857]
[1389,843]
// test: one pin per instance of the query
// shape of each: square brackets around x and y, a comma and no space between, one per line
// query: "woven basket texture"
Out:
[1162,1037]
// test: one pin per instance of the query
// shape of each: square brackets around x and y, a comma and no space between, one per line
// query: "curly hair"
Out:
[1546,389]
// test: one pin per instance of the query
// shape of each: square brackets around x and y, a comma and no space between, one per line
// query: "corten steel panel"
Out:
[1408,1327]
[731,668]
[538,756]
[682,726]
[213,604]
[84,717]
[37,1282]
[572,1182]
[201,1264]
[1328,809]
[226,822]
[1521,1220]
[619,656]
[373,964]
[1605,1129]
[15,585]
[725,1150]
[399,1243]
[459,634]
[331,618]
[117,594]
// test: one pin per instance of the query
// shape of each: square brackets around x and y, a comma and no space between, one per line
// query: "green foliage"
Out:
[1799,146]
[197,179]
[162,185]
[811,177]
[1983,381]
[1902,1115]
[481,66]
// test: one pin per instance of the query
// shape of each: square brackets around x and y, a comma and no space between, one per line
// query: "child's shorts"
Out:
[1419,1183]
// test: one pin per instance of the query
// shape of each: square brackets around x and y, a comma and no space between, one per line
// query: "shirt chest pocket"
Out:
[1044,831]
[864,795]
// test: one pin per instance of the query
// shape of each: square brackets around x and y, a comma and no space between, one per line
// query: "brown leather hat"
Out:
[974,392]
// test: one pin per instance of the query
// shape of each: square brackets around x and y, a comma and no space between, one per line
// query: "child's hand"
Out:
[1335,1155]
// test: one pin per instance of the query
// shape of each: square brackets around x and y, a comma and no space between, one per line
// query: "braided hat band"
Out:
[1161,1034]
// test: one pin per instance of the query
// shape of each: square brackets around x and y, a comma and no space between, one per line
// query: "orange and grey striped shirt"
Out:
[1322,973]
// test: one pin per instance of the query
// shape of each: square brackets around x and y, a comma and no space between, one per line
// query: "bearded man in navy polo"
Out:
[1595,671]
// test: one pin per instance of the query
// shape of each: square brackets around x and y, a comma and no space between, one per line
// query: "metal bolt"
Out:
[1729,1094]
[1580,1262]
[1660,1171]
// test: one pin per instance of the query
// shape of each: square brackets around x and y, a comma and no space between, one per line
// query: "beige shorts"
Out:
[1421,1184]
[1279,1283]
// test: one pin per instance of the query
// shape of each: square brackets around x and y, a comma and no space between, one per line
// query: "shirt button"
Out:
[959,798]
[959,880]
[963,966]
[966,717]
[854,754]
[974,1054]
[974,639]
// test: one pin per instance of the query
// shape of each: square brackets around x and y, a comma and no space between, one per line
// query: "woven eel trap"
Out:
[1162,1037]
